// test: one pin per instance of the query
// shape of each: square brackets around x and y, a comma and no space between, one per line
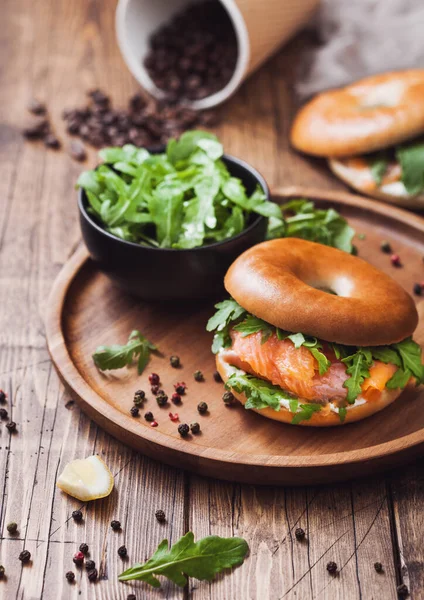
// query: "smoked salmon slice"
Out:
[296,370]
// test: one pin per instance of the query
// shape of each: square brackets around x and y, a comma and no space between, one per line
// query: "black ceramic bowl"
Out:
[168,274]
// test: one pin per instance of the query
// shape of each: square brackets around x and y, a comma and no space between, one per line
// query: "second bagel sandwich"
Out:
[312,335]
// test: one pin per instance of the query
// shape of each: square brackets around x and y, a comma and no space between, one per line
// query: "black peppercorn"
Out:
[77,515]
[385,247]
[131,597]
[183,429]
[135,411]
[217,377]
[161,398]
[70,576]
[198,376]
[3,413]
[11,426]
[2,397]
[122,551]
[25,556]
[175,361]
[202,408]
[155,389]
[378,567]
[402,590]
[332,567]
[83,548]
[90,564]
[228,398]
[2,571]
[78,558]
[139,397]
[195,428]
[300,534]
[418,289]
[12,527]
[92,575]
[116,525]
[154,379]
[149,416]
[180,388]
[160,516]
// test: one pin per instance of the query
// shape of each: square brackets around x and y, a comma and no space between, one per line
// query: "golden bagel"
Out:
[282,281]
[371,114]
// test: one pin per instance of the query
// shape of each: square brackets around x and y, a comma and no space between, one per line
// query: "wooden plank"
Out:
[407,491]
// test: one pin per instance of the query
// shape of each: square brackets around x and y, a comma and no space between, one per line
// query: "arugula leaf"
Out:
[342,413]
[306,412]
[303,220]
[180,150]
[386,354]
[201,560]
[323,363]
[259,393]
[411,159]
[252,324]
[399,380]
[410,354]
[229,311]
[166,209]
[107,358]
[378,164]
[358,371]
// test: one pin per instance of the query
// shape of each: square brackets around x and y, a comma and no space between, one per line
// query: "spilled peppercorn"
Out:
[378,567]
[11,426]
[122,551]
[92,575]
[228,398]
[176,398]
[78,558]
[183,429]
[299,534]
[175,362]
[83,548]
[202,408]
[2,571]
[195,428]
[135,411]
[116,525]
[3,413]
[149,416]
[180,388]
[154,379]
[217,377]
[90,564]
[198,376]
[162,398]
[332,567]
[12,527]
[160,516]
[25,556]
[70,576]
[139,397]
[3,397]
[77,515]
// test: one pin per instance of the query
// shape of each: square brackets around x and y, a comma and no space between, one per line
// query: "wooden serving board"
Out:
[85,310]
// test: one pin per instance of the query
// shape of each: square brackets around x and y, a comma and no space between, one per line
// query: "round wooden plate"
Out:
[85,310]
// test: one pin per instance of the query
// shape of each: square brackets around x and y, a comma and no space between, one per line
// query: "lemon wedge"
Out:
[86,479]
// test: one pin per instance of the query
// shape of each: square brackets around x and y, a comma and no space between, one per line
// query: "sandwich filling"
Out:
[399,170]
[276,368]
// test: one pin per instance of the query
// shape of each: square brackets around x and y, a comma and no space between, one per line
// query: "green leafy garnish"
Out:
[303,220]
[107,358]
[378,164]
[358,365]
[342,413]
[184,198]
[259,393]
[252,324]
[201,560]
[305,413]
[411,159]
[229,312]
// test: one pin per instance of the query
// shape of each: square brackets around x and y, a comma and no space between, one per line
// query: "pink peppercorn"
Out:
[174,417]
[395,260]
[154,424]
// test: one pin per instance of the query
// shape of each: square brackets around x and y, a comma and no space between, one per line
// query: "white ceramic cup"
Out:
[261,26]
[136,20]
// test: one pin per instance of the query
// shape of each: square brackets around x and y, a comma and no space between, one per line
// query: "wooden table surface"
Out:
[56,50]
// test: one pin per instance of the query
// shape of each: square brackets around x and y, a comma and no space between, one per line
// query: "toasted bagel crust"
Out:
[359,178]
[324,418]
[371,114]
[277,281]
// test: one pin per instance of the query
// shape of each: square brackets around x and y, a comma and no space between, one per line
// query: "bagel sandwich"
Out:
[372,133]
[314,336]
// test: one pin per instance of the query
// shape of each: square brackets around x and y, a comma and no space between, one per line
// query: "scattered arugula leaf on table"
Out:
[107,358]
[202,560]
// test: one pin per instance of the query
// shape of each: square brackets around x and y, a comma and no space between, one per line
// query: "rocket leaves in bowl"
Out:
[186,198]
[182,198]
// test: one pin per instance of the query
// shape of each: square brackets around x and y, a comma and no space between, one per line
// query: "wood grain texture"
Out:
[56,50]
[86,311]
